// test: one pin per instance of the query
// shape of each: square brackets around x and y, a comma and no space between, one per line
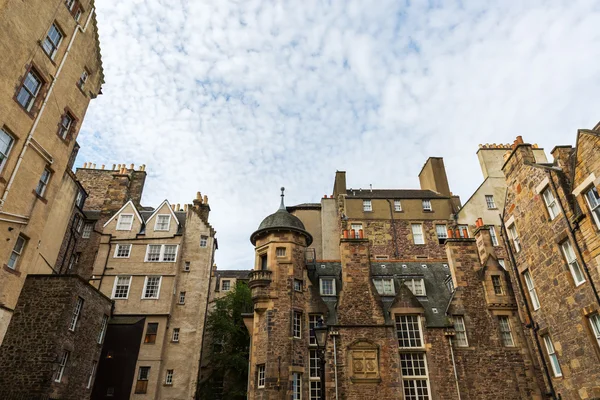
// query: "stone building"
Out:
[410,312]
[552,221]
[49,72]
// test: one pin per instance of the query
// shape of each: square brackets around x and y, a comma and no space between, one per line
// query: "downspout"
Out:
[393,229]
[574,238]
[30,138]
[212,259]
[335,366]
[454,367]
[532,324]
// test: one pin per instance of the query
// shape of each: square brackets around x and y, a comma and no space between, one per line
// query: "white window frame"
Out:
[161,256]
[535,301]
[91,377]
[357,228]
[76,314]
[187,266]
[297,324]
[61,366]
[426,203]
[313,364]
[176,333]
[223,282]
[551,352]
[83,77]
[442,234]
[417,290]
[321,286]
[43,182]
[280,252]
[116,284]
[594,209]
[463,231]
[461,331]
[120,246]
[397,206]
[181,298]
[169,377]
[514,235]
[551,203]
[88,227]
[312,323]
[260,376]
[506,329]
[65,129]
[32,76]
[574,267]
[203,241]
[380,285]
[156,223]
[144,297]
[120,222]
[367,206]
[51,52]
[415,378]
[296,386]
[406,319]
[9,140]
[417,234]
[490,202]
[493,236]
[103,327]
[70,4]
[595,324]
[15,254]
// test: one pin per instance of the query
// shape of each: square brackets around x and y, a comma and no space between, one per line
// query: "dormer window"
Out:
[162,222]
[416,286]
[367,206]
[327,286]
[125,222]
[427,205]
[384,286]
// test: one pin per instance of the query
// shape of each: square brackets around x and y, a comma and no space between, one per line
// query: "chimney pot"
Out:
[361,234]
[450,233]
[131,166]
[114,167]
[84,165]
[94,166]
[198,196]
[519,139]
[345,233]
[205,199]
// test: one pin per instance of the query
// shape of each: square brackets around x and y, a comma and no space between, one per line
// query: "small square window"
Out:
[327,286]
[225,285]
[384,286]
[489,200]
[123,251]
[416,286]
[181,297]
[203,241]
[397,206]
[162,222]
[367,206]
[280,251]
[186,266]
[427,205]
[87,230]
[298,285]
[125,222]
[175,335]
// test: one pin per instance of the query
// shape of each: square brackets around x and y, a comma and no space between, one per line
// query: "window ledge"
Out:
[10,270]
[41,198]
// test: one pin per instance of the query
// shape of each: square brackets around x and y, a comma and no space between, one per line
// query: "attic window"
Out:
[162,222]
[384,286]
[327,286]
[416,286]
[125,222]
[426,205]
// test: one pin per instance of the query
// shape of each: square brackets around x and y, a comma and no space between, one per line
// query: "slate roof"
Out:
[394,194]
[233,273]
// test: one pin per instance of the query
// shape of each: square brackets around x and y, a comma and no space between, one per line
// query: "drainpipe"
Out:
[335,366]
[454,367]
[573,237]
[30,140]
[393,229]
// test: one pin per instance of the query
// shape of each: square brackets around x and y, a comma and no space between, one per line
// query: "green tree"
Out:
[228,353]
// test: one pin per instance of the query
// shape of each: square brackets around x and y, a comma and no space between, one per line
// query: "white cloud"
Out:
[237,98]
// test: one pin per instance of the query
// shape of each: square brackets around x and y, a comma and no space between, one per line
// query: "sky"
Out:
[236,98]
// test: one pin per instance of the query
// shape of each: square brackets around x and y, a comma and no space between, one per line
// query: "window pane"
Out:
[408,332]
[153,252]
[170,252]
[152,287]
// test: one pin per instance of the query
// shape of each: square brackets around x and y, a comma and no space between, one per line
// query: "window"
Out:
[181,297]
[73,260]
[151,332]
[574,267]
[357,228]
[535,302]
[417,231]
[121,289]
[426,205]
[78,15]
[463,231]
[296,386]
[313,321]
[327,286]
[551,203]
[384,286]
[515,237]
[493,236]
[450,284]
[260,376]
[263,262]
[226,285]
[43,183]
[6,143]
[186,266]
[408,330]
[29,90]
[76,313]
[79,200]
[297,324]
[110,392]
[298,285]
[502,263]
[162,222]
[280,251]
[91,377]
[414,376]
[489,200]
[203,241]
[552,356]
[497,284]
[61,366]
[103,327]
[52,41]
[125,222]
[65,125]
[142,382]
[161,253]
[505,332]
[397,206]
[367,206]
[87,230]
[169,377]
[16,252]
[442,233]
[315,390]
[593,200]
[461,332]
[595,323]
[416,286]
[175,337]
[82,79]
[152,287]
[314,375]
[123,251]
[70,4]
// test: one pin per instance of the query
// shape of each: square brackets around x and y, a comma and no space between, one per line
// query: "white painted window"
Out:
[296,386]
[163,221]
[78,15]
[535,302]
[397,206]
[415,381]
[169,377]
[493,236]
[153,252]
[58,375]
[152,287]
[203,241]
[169,252]
[280,251]
[312,323]
[505,331]
[442,233]
[408,330]
[260,376]
[314,364]
[463,230]
[416,285]
[76,314]
[497,285]
[91,376]
[29,90]
[489,200]
[556,371]
[367,206]
[103,327]
[461,331]
[595,323]
[356,228]
[226,285]
[181,297]
[52,41]
[125,222]
[65,125]
[16,252]
[426,205]
[6,144]
[176,334]
[384,286]
[121,288]
[417,231]
[161,253]
[87,230]
[43,183]
[186,266]
[122,251]
[551,203]
[514,235]
[297,324]
[70,4]
[574,267]
[327,286]
[593,199]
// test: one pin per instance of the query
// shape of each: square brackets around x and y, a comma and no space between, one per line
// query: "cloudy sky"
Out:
[235,98]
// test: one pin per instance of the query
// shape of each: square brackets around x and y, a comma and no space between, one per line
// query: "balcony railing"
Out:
[260,277]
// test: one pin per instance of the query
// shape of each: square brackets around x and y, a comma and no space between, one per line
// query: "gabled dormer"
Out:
[127,222]
[162,222]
